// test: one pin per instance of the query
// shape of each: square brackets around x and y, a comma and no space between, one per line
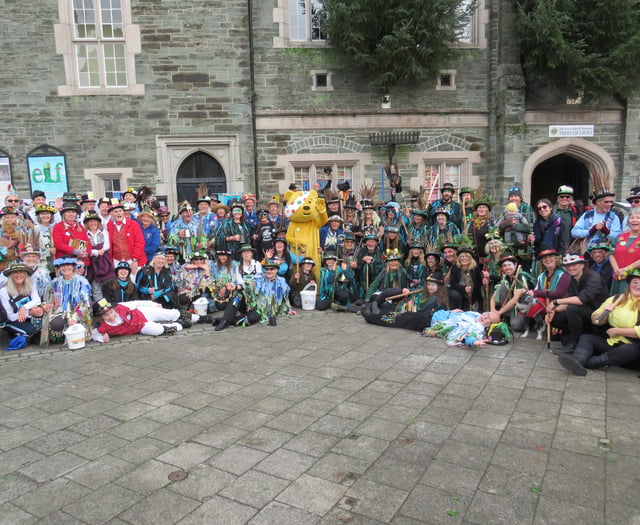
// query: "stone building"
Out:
[245,96]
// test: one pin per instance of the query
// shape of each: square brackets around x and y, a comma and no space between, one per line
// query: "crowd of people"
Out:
[131,266]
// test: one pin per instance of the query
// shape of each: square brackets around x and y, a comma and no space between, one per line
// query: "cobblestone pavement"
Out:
[320,420]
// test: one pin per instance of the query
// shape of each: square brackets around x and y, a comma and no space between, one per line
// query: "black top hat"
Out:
[101,306]
[634,193]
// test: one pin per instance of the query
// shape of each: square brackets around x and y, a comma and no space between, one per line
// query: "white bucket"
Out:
[75,336]
[201,306]
[308,296]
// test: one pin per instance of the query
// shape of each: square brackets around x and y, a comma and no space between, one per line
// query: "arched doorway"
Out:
[595,159]
[199,168]
[556,171]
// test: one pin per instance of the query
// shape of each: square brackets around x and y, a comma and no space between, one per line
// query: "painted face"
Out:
[508,268]
[432,287]
[110,315]
[598,255]
[450,254]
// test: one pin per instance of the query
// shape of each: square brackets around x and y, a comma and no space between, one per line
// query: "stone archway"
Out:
[596,158]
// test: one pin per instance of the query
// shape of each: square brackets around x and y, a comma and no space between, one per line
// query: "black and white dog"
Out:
[532,308]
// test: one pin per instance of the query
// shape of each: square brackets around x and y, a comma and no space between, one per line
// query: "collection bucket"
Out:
[201,306]
[75,336]
[308,297]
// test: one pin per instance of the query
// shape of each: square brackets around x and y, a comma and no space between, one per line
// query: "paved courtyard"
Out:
[320,420]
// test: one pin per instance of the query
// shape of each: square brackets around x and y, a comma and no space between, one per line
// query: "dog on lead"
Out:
[532,308]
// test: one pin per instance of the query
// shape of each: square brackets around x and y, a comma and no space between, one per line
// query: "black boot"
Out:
[598,361]
[222,325]
[576,361]
[272,321]
[169,330]
[185,324]
[204,319]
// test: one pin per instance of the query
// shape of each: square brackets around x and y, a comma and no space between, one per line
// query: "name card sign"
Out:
[586,130]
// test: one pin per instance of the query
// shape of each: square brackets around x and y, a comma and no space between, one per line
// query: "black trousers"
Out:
[574,321]
[624,355]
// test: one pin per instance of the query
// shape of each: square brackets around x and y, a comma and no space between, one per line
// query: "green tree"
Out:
[392,41]
[587,46]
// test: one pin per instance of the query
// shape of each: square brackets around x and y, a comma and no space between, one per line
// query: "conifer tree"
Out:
[587,47]
[392,41]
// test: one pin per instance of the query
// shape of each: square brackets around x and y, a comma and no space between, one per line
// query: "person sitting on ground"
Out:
[337,286]
[120,289]
[71,299]
[135,317]
[300,279]
[21,302]
[621,345]
[154,282]
[572,314]
[393,276]
[262,299]
[412,312]
[503,301]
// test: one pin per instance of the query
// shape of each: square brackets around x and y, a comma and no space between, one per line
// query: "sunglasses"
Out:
[542,207]
[13,200]
[564,196]
[635,201]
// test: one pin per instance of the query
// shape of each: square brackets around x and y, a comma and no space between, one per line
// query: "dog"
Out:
[532,308]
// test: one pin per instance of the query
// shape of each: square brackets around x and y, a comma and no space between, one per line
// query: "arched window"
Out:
[199,168]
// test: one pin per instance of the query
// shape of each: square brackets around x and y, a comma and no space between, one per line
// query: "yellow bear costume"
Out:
[307,213]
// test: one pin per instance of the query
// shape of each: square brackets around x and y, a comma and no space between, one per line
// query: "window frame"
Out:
[97,176]
[282,16]
[67,42]
[315,169]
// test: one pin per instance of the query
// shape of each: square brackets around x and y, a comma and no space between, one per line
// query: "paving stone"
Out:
[376,501]
[511,484]
[14,485]
[101,471]
[313,443]
[312,494]
[50,497]
[206,416]
[160,507]
[292,422]
[97,445]
[17,458]
[521,460]
[177,432]
[465,454]
[454,478]
[579,491]
[285,464]
[10,515]
[266,439]
[52,467]
[492,508]
[102,504]
[202,483]
[552,510]
[220,510]
[147,478]
[363,447]
[141,450]
[338,468]
[441,506]
[18,436]
[94,425]
[485,437]
[237,459]
[254,488]
[278,513]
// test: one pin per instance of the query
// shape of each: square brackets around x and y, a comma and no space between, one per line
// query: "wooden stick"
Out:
[402,295]
[601,319]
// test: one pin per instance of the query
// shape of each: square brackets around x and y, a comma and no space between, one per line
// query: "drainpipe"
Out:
[253,100]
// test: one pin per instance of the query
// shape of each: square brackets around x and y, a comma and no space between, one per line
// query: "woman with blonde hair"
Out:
[621,345]
[465,277]
[20,301]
